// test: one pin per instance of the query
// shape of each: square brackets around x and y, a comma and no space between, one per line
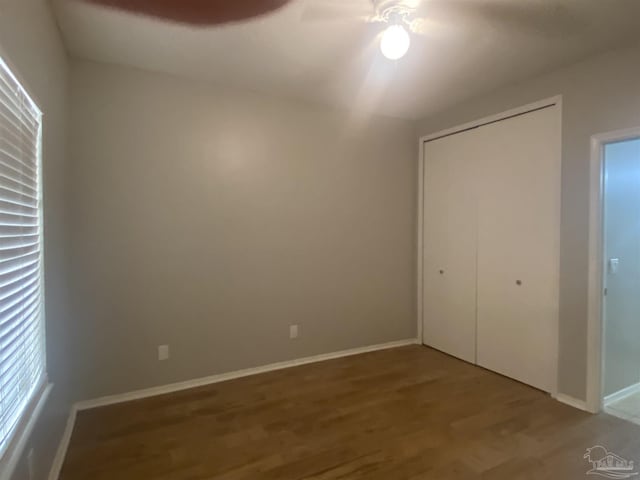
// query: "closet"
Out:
[491,220]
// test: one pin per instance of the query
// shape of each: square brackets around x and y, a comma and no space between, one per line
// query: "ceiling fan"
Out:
[400,17]
[405,17]
[397,13]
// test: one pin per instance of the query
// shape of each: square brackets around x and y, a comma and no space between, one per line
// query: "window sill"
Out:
[13,455]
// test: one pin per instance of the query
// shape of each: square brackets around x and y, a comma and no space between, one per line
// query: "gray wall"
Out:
[30,42]
[622,234]
[599,95]
[211,219]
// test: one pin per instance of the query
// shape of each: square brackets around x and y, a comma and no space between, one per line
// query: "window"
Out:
[22,348]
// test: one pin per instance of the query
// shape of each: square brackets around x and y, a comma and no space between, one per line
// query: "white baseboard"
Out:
[199,382]
[572,402]
[61,453]
[622,393]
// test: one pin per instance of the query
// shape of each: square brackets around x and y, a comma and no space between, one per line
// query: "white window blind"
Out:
[22,349]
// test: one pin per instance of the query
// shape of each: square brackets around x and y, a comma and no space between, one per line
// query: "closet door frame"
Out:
[547,102]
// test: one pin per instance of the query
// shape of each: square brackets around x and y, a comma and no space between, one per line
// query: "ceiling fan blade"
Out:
[430,28]
[195,12]
[337,10]
[531,16]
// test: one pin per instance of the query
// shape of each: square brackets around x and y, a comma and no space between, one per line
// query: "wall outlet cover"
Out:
[163,352]
[293,331]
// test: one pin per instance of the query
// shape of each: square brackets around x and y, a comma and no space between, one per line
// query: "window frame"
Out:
[19,438]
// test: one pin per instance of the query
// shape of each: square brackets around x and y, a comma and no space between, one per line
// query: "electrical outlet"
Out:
[31,466]
[163,352]
[293,331]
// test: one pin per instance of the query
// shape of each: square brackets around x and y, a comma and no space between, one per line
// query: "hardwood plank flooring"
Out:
[407,413]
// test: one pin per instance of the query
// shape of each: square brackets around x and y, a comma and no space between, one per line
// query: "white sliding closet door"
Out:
[449,268]
[518,247]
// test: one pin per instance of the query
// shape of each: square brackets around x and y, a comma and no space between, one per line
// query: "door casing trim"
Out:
[595,334]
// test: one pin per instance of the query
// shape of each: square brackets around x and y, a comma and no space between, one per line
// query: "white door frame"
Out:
[547,102]
[595,336]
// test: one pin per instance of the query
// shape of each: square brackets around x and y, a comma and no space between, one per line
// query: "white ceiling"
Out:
[461,55]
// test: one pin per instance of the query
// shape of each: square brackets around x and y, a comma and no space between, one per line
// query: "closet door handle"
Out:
[441,272]
[519,282]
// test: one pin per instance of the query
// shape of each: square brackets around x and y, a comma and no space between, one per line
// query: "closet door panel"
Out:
[449,269]
[518,247]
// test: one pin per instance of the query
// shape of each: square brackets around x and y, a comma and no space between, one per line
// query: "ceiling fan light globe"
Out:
[395,42]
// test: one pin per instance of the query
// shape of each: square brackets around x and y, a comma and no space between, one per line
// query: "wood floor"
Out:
[405,413]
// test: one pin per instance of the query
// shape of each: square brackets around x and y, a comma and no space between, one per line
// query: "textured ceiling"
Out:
[463,52]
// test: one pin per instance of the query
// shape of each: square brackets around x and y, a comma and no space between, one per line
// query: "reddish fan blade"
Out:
[196,12]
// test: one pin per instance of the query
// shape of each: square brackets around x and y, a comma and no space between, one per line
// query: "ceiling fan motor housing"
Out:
[394,11]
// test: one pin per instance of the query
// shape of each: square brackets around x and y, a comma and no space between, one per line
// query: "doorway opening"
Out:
[620,277]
